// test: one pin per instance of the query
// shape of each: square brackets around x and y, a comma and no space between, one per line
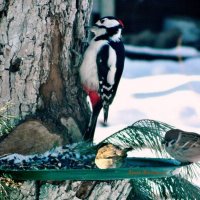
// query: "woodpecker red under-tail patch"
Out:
[102,67]
[94,96]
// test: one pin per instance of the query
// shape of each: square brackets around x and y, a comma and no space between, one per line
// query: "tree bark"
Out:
[41,43]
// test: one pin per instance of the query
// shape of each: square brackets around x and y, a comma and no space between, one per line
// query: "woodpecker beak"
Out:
[94,28]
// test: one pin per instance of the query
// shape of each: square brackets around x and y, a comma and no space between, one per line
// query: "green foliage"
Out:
[6,184]
[190,171]
[149,134]
[173,187]
[141,190]
[5,120]
[176,187]
[141,134]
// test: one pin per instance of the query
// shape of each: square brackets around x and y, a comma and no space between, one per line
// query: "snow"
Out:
[173,99]
[138,68]
[177,51]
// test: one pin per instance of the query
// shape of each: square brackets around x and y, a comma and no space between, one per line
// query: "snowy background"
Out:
[163,90]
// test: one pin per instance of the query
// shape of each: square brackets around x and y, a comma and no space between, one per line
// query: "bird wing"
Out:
[189,140]
[106,64]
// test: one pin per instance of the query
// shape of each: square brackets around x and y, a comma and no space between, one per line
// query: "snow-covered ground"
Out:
[173,99]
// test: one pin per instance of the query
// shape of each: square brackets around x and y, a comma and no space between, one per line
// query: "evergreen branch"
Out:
[7,186]
[176,188]
[141,190]
[143,133]
[5,119]
[190,172]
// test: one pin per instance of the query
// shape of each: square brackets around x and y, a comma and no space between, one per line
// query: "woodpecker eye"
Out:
[102,21]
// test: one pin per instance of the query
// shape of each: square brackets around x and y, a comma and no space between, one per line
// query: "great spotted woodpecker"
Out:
[102,67]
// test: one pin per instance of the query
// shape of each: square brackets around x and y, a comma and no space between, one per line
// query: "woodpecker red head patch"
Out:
[121,23]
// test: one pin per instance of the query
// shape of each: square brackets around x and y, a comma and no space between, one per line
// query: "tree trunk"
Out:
[41,43]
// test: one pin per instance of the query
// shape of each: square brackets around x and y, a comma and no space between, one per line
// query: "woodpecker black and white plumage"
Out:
[102,67]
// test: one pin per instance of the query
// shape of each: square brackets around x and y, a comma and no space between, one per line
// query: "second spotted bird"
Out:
[102,67]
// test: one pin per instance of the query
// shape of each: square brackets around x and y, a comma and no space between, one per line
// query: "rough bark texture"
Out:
[41,43]
[68,190]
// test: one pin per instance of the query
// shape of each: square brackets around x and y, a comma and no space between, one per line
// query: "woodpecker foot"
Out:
[104,124]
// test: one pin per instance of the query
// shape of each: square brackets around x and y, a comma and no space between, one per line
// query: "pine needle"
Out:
[143,133]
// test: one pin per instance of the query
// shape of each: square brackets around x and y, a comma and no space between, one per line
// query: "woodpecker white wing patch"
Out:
[106,64]
[112,59]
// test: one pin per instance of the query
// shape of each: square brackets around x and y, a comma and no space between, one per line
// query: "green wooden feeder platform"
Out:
[132,168]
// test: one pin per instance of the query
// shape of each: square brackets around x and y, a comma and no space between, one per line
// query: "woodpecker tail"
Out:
[105,109]
[89,134]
